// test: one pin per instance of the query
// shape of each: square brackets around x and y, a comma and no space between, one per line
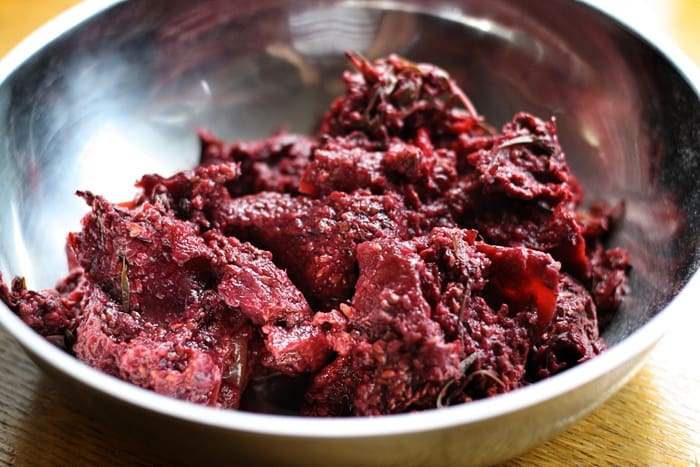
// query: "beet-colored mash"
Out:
[406,257]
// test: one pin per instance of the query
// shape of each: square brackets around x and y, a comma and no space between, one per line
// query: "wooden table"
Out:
[653,420]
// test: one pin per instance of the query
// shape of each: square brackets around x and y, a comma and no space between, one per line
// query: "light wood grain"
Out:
[653,420]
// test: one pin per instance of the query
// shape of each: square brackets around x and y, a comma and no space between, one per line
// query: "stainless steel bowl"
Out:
[111,90]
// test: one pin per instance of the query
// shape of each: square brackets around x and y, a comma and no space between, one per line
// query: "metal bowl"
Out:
[111,90]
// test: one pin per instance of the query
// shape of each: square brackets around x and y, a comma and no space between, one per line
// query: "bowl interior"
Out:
[123,93]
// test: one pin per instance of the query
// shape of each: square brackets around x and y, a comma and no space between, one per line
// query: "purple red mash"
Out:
[406,257]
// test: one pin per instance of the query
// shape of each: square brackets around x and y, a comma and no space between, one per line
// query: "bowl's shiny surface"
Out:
[121,94]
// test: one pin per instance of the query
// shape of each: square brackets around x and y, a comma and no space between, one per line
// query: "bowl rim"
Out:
[358,427]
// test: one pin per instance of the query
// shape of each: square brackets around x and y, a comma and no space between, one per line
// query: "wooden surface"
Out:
[653,420]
